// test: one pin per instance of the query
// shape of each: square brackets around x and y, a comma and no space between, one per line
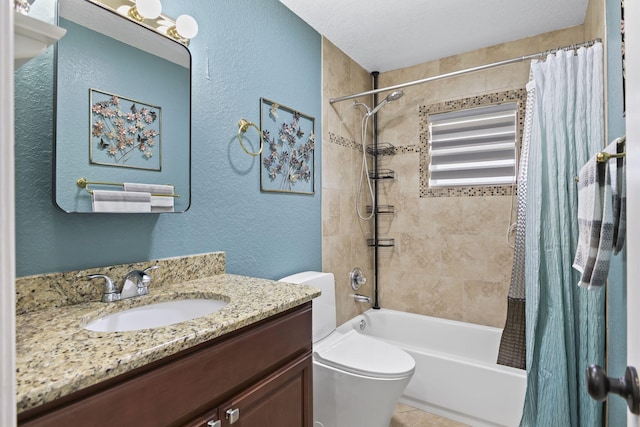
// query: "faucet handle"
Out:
[153,267]
[144,278]
[110,289]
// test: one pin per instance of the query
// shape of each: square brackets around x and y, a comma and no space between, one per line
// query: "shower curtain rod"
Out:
[465,71]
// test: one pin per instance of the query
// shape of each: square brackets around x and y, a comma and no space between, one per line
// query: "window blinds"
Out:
[473,147]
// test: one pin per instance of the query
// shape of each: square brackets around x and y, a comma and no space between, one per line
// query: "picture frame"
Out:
[287,160]
[124,132]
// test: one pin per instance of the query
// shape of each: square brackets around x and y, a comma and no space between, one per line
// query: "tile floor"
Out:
[407,416]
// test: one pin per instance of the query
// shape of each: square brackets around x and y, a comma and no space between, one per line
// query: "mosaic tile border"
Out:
[344,142]
[348,143]
[518,95]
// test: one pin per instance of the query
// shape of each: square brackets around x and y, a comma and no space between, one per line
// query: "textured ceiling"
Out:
[383,35]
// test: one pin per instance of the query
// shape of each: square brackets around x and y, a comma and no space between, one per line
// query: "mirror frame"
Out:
[157,45]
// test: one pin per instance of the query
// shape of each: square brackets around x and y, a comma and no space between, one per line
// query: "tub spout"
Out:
[362,298]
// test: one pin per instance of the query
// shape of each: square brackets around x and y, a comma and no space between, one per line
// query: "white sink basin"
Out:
[155,315]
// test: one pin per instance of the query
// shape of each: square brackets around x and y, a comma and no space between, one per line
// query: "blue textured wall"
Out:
[245,50]
[617,286]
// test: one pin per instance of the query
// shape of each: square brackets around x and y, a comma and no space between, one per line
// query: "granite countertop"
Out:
[57,356]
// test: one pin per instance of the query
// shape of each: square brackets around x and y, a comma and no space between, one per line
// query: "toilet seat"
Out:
[359,354]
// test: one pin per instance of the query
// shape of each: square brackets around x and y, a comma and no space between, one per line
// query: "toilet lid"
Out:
[360,354]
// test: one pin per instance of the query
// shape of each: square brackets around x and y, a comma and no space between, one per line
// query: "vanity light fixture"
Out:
[149,14]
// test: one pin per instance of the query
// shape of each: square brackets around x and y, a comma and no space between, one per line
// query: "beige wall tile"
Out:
[594,21]
[442,296]
[451,257]
[560,38]
[482,302]
[402,290]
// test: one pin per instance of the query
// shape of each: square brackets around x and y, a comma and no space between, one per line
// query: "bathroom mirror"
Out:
[122,108]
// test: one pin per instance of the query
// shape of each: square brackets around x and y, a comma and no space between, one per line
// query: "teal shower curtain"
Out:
[564,324]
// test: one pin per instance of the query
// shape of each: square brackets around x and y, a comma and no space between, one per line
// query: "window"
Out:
[475,146]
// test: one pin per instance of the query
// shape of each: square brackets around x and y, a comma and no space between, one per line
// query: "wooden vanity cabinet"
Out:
[260,375]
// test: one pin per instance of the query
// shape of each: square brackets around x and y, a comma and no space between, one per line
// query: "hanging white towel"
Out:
[605,242]
[120,201]
[589,220]
[158,203]
[597,212]
[616,170]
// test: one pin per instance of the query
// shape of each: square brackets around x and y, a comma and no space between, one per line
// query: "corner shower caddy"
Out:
[378,174]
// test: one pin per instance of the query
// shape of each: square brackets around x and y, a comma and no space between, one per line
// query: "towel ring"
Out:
[243,125]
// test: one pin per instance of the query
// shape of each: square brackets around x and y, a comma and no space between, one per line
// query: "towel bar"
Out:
[603,156]
[84,183]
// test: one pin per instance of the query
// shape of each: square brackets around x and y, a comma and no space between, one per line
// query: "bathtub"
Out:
[456,374]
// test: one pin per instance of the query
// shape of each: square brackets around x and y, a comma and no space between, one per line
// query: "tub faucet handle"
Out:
[357,278]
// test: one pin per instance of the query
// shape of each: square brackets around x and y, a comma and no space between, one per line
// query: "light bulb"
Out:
[123,10]
[186,26]
[150,9]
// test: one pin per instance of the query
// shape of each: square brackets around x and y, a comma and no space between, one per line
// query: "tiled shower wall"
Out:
[343,234]
[451,258]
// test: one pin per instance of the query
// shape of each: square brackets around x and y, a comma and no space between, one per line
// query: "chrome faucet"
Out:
[362,298]
[135,283]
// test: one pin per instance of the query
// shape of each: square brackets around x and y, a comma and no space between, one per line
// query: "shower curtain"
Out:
[564,323]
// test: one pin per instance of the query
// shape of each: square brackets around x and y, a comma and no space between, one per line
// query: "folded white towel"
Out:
[120,201]
[158,203]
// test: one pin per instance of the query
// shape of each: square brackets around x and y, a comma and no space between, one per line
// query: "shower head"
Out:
[397,94]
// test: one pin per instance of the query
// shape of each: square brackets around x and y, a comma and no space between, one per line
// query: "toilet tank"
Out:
[324,306]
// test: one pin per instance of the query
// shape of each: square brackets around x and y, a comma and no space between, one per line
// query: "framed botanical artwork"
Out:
[124,132]
[287,161]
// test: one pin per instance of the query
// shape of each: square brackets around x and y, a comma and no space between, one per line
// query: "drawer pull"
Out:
[233,415]
[214,423]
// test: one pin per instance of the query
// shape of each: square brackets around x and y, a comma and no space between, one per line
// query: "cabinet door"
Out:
[284,399]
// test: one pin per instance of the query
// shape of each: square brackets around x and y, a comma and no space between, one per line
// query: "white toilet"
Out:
[357,380]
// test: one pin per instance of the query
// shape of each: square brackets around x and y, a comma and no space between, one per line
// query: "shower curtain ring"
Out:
[243,125]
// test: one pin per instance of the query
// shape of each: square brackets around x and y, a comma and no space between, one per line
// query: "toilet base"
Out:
[342,399]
